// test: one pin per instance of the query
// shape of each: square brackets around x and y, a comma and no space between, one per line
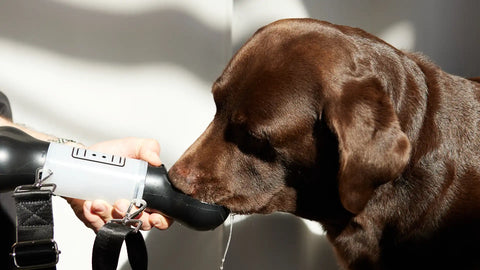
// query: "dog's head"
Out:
[304,124]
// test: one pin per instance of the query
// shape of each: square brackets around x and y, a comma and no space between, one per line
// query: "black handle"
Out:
[20,157]
[161,195]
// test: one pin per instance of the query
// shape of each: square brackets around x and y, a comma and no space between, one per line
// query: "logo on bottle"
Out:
[84,154]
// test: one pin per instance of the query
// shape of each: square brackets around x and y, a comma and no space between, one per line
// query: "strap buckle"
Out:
[35,254]
[40,177]
[129,218]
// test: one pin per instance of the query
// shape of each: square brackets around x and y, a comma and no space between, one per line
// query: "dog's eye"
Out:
[250,143]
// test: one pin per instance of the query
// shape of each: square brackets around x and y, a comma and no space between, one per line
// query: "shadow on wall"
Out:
[448,32]
[278,241]
[182,248]
[123,39]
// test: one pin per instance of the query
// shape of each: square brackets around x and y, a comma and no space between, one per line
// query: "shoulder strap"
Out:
[109,240]
[34,247]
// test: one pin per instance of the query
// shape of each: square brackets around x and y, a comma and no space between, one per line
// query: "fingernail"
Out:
[99,208]
[155,156]
[122,207]
[88,205]
[157,223]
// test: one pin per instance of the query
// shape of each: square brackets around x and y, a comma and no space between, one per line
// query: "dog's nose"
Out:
[183,173]
[183,177]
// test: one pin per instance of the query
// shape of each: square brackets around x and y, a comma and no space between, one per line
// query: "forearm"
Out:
[39,135]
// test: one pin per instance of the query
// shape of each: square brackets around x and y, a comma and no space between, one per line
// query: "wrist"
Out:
[67,142]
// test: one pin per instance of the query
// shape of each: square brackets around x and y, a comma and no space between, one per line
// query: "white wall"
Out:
[96,70]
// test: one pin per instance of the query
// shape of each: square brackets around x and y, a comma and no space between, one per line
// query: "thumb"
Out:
[149,150]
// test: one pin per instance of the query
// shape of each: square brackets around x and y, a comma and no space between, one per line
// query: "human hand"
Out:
[95,214]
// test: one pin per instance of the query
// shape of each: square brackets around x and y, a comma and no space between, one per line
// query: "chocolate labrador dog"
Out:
[332,124]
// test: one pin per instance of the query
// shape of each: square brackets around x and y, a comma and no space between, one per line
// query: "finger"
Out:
[146,225]
[82,210]
[90,219]
[102,209]
[159,221]
[149,150]
[120,208]
[77,206]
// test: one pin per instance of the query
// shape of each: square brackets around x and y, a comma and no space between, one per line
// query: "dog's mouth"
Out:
[206,199]
[200,198]
[210,192]
[191,190]
[235,204]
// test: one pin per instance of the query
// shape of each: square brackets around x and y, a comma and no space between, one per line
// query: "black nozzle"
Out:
[161,195]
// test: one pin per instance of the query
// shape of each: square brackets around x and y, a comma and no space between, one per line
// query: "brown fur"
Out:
[332,124]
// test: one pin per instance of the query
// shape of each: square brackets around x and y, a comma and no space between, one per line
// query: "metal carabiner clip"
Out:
[40,177]
[129,218]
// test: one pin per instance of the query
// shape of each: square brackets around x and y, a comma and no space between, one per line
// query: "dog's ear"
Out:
[372,147]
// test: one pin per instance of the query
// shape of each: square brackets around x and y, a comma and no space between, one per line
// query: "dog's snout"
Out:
[176,171]
[184,174]
[184,177]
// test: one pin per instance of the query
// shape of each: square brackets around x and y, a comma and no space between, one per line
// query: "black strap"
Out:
[108,242]
[35,247]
